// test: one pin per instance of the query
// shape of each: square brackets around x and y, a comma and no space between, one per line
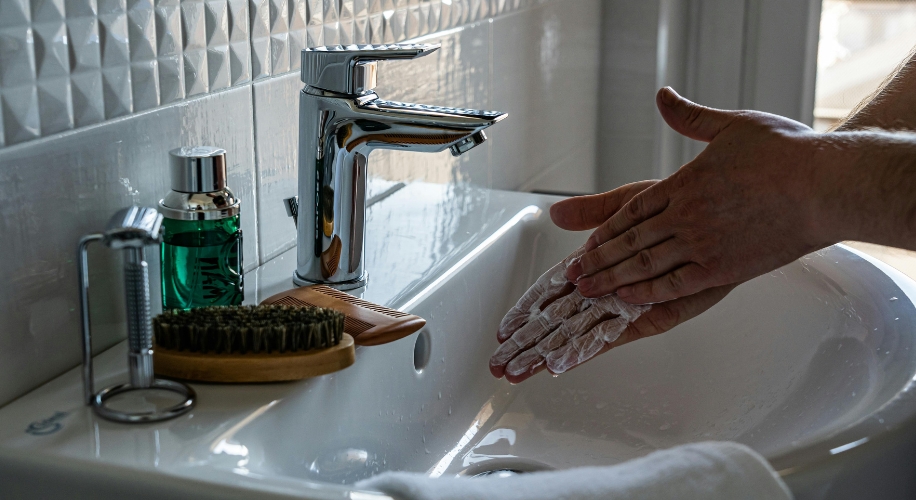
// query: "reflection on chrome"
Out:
[341,121]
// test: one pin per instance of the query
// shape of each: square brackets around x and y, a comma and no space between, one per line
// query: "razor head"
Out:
[134,227]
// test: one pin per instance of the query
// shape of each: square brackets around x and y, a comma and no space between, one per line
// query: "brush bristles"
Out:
[243,329]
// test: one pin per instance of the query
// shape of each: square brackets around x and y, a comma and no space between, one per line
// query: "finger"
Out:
[585,347]
[665,316]
[645,265]
[590,321]
[640,237]
[587,212]
[681,282]
[690,119]
[548,286]
[644,205]
[532,332]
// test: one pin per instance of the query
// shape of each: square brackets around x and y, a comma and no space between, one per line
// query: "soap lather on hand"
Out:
[555,327]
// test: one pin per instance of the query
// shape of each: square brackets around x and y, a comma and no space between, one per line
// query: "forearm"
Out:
[892,106]
[865,188]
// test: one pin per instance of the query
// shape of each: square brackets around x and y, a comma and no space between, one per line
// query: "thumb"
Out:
[690,119]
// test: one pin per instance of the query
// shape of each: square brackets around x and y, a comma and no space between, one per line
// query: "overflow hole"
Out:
[421,351]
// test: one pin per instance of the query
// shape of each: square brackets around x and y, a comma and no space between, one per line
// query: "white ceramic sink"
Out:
[809,365]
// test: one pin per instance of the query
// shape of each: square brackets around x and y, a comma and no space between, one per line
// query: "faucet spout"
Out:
[380,124]
[341,121]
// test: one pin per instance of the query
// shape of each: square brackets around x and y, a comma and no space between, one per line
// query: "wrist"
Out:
[832,168]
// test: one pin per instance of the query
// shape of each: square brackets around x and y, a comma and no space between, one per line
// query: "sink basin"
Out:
[812,365]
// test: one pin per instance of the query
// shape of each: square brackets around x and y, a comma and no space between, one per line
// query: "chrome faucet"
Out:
[341,121]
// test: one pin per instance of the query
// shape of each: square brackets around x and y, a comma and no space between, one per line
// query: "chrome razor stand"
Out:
[131,230]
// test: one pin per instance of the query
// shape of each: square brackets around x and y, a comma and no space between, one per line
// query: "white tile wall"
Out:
[65,64]
[136,78]
[55,190]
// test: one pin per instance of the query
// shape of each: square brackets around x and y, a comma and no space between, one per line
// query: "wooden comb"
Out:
[367,323]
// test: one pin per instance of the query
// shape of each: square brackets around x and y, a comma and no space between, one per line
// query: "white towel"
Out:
[708,471]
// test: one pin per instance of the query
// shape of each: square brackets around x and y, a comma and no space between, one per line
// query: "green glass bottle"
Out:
[202,236]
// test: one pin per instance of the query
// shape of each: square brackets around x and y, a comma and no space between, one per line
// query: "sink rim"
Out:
[893,422]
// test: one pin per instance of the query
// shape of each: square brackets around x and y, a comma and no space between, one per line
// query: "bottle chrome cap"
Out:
[198,169]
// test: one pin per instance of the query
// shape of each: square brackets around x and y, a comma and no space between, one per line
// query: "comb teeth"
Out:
[346,297]
[352,325]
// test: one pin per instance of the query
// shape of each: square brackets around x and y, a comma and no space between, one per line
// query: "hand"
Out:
[741,208]
[554,327]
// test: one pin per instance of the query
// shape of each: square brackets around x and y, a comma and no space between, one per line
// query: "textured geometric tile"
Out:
[52,58]
[346,23]
[168,28]
[83,37]
[171,79]
[373,6]
[88,103]
[361,34]
[279,36]
[435,14]
[260,57]
[394,25]
[47,10]
[111,6]
[315,35]
[298,34]
[116,91]
[15,13]
[88,60]
[80,8]
[218,68]
[193,25]
[376,28]
[141,29]
[412,27]
[55,106]
[298,40]
[17,56]
[216,14]
[279,53]
[113,37]
[331,23]
[259,14]
[20,114]
[195,72]
[144,82]
[239,62]
[238,21]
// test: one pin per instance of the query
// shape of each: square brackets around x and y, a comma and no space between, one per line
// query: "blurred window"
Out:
[861,42]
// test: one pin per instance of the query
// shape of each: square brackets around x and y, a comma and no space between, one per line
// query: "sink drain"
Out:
[503,467]
[501,473]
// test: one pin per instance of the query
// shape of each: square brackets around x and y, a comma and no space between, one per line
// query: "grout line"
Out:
[257,175]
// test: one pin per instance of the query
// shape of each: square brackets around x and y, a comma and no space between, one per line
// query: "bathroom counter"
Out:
[416,235]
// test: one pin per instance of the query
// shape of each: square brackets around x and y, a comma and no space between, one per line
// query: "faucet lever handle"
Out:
[352,69]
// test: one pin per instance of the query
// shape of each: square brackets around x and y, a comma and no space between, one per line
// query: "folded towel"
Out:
[707,471]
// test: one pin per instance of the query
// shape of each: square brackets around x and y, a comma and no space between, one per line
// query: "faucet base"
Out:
[339,285]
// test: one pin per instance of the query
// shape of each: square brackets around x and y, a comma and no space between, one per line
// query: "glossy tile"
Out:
[456,75]
[80,62]
[54,191]
[276,125]
[545,71]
